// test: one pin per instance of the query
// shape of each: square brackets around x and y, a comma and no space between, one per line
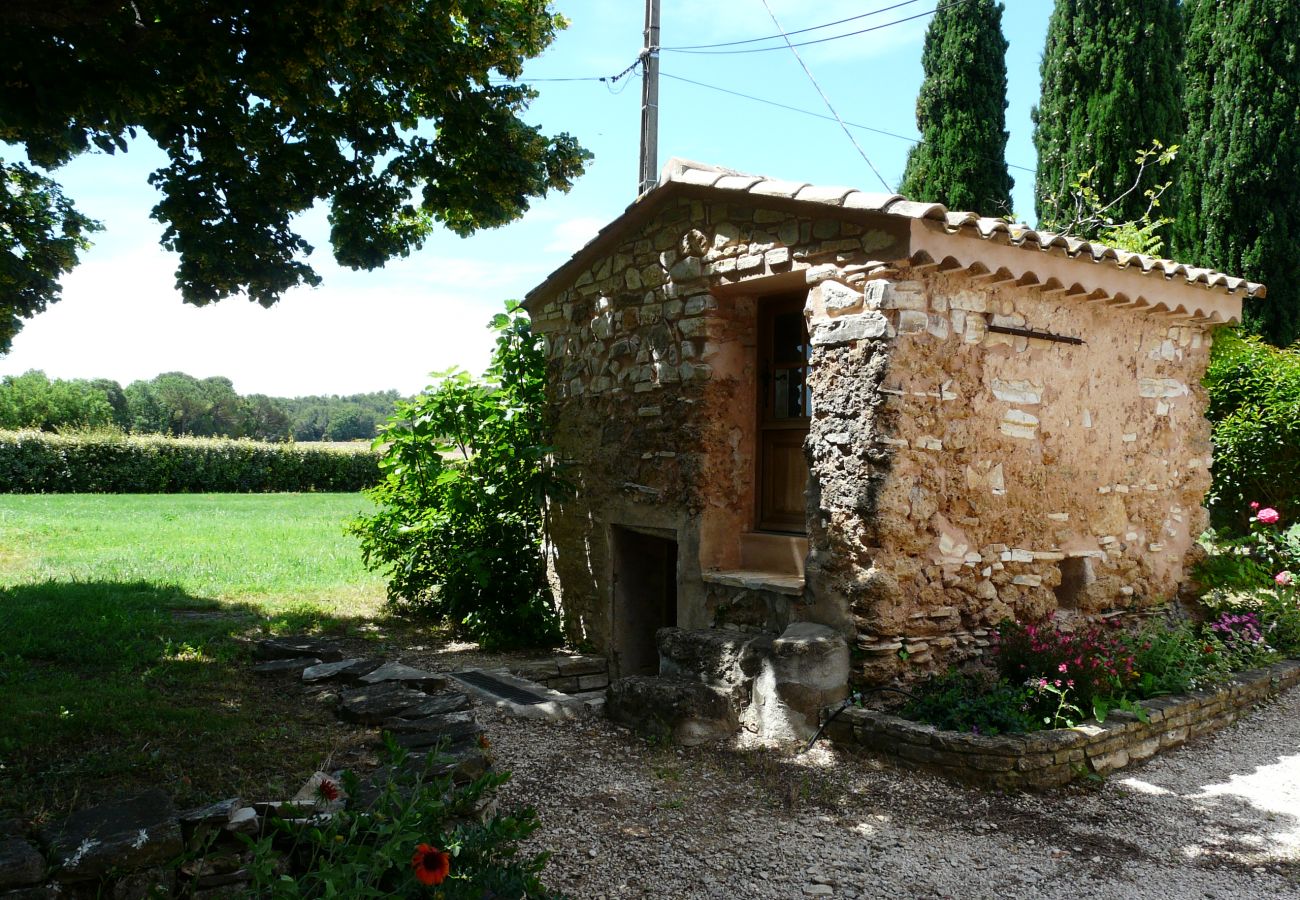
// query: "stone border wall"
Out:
[573,674]
[1048,759]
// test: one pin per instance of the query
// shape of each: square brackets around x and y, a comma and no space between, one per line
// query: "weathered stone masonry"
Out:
[1002,425]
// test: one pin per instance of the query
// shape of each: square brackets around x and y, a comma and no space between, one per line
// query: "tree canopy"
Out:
[961,113]
[1239,179]
[1111,85]
[386,109]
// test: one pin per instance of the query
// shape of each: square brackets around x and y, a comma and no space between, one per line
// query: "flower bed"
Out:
[1045,759]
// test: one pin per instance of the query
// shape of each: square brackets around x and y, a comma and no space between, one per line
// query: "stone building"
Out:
[785,403]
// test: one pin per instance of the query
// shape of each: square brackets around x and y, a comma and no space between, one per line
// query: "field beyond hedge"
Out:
[123,659]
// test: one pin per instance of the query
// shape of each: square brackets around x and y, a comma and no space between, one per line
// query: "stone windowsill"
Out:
[1046,759]
[777,582]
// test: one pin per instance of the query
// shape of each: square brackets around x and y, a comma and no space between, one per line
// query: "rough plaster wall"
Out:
[1009,455]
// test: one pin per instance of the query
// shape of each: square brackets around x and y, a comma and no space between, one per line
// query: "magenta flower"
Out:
[1254,506]
[1283,579]
[1268,515]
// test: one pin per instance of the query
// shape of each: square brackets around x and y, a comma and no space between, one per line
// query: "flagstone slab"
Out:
[128,834]
[439,703]
[373,703]
[343,669]
[398,672]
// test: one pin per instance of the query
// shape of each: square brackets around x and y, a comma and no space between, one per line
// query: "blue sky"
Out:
[121,318]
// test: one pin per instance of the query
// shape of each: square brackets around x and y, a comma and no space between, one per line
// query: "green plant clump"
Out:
[977,702]
[458,531]
[420,837]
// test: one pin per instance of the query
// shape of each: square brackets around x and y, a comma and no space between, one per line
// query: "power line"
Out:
[827,100]
[815,115]
[837,37]
[773,37]
[609,79]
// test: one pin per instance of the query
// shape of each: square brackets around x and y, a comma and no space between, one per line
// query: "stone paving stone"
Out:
[293,647]
[373,703]
[286,666]
[133,833]
[397,672]
[439,703]
[20,864]
[427,732]
[345,669]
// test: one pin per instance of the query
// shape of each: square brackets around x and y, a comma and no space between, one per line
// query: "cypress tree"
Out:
[961,113]
[1111,85]
[1239,180]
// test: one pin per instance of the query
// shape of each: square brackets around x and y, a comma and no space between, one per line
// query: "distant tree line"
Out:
[177,404]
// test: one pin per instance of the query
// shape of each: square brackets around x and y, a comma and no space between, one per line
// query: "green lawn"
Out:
[124,652]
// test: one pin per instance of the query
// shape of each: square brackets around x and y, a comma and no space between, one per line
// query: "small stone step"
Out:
[287,666]
[343,669]
[130,834]
[20,864]
[439,703]
[373,703]
[676,709]
[462,762]
[416,734]
[397,672]
[594,701]
[294,647]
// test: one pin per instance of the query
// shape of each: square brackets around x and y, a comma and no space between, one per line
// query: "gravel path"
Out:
[1217,819]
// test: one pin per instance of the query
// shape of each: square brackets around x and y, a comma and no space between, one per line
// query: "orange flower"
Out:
[431,865]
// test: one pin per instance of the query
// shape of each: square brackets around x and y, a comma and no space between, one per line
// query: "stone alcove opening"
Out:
[1076,575]
[645,596]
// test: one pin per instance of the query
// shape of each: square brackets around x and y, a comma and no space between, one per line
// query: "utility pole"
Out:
[650,99]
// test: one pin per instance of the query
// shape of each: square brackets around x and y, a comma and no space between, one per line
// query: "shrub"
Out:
[419,833]
[458,530]
[971,701]
[1254,393]
[107,462]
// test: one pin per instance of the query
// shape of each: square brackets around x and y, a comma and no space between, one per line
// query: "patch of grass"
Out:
[124,653]
[277,551]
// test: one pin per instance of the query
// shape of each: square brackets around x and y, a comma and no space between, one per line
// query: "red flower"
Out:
[327,790]
[431,865]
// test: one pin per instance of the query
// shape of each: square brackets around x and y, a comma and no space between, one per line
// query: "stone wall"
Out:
[958,475]
[568,674]
[966,476]
[1047,759]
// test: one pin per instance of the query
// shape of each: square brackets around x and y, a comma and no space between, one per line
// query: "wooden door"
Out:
[784,409]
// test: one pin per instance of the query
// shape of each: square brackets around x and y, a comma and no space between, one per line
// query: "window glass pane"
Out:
[788,338]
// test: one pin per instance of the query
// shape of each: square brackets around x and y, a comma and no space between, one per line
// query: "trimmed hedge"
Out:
[33,462]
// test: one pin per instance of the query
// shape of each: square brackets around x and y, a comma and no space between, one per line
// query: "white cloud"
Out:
[570,235]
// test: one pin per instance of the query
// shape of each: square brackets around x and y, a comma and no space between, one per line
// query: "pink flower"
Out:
[1283,579]
[1254,506]
[1063,667]
[1268,515]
